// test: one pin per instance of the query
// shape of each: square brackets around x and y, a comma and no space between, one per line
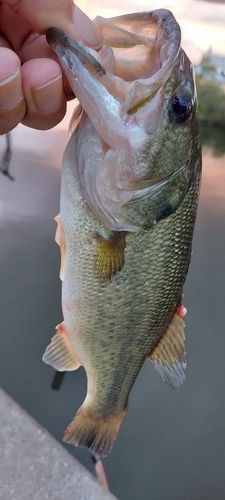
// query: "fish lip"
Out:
[55,36]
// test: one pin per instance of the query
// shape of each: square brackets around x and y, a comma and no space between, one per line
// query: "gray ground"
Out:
[172,442]
[50,473]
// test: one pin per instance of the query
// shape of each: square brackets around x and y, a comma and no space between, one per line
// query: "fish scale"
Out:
[167,274]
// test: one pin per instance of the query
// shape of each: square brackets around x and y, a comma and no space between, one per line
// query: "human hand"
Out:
[35,93]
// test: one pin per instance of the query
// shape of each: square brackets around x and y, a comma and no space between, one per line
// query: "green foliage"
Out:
[211,105]
[213,135]
[211,102]
[206,64]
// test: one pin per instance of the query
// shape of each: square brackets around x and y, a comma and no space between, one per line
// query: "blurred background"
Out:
[172,443]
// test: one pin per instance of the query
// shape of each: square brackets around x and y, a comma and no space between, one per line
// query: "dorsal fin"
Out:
[168,357]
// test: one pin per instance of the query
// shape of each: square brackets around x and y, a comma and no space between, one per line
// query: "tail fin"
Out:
[90,430]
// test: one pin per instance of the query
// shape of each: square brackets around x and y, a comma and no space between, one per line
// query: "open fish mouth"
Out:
[137,48]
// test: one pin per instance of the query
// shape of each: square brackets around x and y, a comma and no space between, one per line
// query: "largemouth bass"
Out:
[129,194]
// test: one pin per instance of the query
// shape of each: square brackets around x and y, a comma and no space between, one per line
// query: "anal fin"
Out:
[168,357]
[59,353]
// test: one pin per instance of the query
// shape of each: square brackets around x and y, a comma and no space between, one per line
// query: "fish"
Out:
[130,185]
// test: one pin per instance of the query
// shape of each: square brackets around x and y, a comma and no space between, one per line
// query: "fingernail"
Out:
[11,91]
[48,97]
[86,29]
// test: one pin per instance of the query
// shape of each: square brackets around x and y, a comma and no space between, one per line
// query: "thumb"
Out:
[62,14]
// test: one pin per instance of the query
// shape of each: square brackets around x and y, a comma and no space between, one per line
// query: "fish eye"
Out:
[181,107]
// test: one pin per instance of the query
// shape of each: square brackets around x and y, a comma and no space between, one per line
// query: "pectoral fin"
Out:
[109,254]
[168,357]
[59,353]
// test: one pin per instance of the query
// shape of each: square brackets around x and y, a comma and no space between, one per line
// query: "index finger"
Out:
[63,14]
